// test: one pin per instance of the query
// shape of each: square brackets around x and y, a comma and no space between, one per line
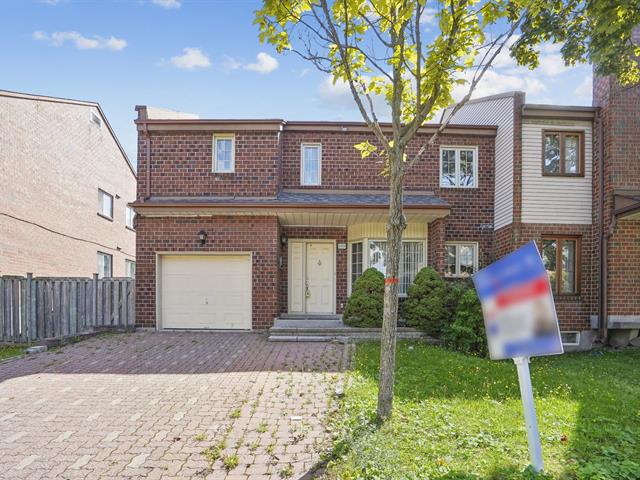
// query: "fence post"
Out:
[31,310]
[94,295]
[2,303]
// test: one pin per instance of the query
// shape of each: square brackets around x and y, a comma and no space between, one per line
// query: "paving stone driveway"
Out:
[168,405]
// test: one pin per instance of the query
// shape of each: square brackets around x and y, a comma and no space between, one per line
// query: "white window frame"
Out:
[100,204]
[127,264]
[572,344]
[366,254]
[110,257]
[302,147]
[457,149]
[224,136]
[129,221]
[476,251]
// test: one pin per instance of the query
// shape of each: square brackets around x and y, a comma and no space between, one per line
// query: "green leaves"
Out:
[366,149]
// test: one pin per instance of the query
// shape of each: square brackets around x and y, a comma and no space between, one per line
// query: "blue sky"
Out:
[201,57]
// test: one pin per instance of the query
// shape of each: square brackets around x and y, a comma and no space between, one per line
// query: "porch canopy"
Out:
[303,207]
[627,204]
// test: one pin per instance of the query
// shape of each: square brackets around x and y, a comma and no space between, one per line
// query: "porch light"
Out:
[202,236]
[284,239]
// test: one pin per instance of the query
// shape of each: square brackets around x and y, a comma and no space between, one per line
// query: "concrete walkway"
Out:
[168,405]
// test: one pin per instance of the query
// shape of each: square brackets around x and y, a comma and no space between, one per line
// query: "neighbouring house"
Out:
[65,185]
[241,221]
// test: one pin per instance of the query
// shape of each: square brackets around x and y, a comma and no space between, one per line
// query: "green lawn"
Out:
[460,417]
[8,351]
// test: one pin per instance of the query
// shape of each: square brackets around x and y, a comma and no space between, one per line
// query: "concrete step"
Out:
[309,316]
[307,323]
[343,334]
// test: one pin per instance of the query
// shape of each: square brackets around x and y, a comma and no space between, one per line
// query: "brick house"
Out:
[66,182]
[241,221]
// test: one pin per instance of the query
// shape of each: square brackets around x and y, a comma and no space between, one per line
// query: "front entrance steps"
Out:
[326,328]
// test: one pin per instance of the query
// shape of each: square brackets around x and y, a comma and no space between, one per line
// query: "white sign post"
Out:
[521,322]
[531,421]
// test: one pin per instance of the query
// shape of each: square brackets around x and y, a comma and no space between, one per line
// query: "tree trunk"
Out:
[396,224]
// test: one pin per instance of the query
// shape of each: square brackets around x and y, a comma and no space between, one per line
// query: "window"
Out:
[570,338]
[311,164]
[130,268]
[562,153]
[130,217]
[561,259]
[461,259]
[375,256]
[356,261]
[95,118]
[105,204]
[458,167]
[223,153]
[104,265]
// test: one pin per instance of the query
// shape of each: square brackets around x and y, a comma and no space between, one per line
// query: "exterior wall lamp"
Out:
[284,239]
[202,236]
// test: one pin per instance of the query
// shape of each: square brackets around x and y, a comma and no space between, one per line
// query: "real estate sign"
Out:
[517,303]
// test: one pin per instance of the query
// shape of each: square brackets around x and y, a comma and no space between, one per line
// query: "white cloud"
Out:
[166,3]
[428,16]
[265,63]
[338,96]
[81,42]
[231,63]
[585,89]
[191,59]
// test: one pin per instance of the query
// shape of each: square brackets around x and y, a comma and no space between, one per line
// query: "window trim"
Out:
[100,191]
[571,344]
[302,147]
[224,136]
[365,256]
[110,263]
[128,262]
[457,149]
[131,227]
[563,133]
[476,254]
[578,274]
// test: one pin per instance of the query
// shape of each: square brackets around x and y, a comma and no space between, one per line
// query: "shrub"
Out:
[466,332]
[365,305]
[424,307]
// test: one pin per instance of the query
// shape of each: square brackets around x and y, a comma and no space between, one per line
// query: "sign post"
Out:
[530,419]
[521,322]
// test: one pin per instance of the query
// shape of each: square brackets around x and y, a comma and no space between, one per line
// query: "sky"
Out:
[202,57]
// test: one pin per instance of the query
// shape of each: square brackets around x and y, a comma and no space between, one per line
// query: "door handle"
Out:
[307,293]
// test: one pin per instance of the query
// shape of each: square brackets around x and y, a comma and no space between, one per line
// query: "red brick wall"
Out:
[182,165]
[435,245]
[225,234]
[624,269]
[339,234]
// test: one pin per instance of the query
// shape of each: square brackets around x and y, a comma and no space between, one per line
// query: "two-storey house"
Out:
[65,185]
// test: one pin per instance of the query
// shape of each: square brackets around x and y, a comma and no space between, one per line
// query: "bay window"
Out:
[373,254]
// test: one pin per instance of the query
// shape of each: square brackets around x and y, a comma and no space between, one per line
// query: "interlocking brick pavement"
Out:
[168,405]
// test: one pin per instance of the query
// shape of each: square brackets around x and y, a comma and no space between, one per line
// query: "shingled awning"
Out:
[627,203]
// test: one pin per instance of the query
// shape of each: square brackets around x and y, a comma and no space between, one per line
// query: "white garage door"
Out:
[205,291]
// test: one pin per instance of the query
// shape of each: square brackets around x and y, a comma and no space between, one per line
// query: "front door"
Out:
[312,277]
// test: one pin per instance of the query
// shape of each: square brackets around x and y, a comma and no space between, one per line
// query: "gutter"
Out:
[603,303]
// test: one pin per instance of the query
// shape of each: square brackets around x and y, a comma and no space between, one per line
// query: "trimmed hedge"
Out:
[364,307]
[425,306]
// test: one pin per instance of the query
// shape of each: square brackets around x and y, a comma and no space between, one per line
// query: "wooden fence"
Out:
[35,308]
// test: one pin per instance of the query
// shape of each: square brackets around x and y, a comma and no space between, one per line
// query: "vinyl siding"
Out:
[554,199]
[496,111]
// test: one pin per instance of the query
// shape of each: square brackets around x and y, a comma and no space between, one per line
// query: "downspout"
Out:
[147,141]
[603,304]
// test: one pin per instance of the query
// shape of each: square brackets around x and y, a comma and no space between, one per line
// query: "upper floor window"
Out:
[561,257]
[130,217]
[461,259]
[223,153]
[458,167]
[311,168]
[105,262]
[105,204]
[562,153]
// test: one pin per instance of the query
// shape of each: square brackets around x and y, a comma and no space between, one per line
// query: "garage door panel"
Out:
[206,291]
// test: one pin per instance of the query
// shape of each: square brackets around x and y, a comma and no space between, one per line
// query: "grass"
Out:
[8,351]
[460,418]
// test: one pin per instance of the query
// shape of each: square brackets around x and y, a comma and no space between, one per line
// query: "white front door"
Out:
[312,277]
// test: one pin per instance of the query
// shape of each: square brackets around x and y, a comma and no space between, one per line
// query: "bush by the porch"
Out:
[365,305]
[424,307]
[465,332]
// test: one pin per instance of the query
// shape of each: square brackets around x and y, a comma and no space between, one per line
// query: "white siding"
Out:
[496,111]
[554,199]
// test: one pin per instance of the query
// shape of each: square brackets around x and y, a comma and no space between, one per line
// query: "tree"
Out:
[381,48]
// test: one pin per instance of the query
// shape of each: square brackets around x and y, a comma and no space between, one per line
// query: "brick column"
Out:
[436,245]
